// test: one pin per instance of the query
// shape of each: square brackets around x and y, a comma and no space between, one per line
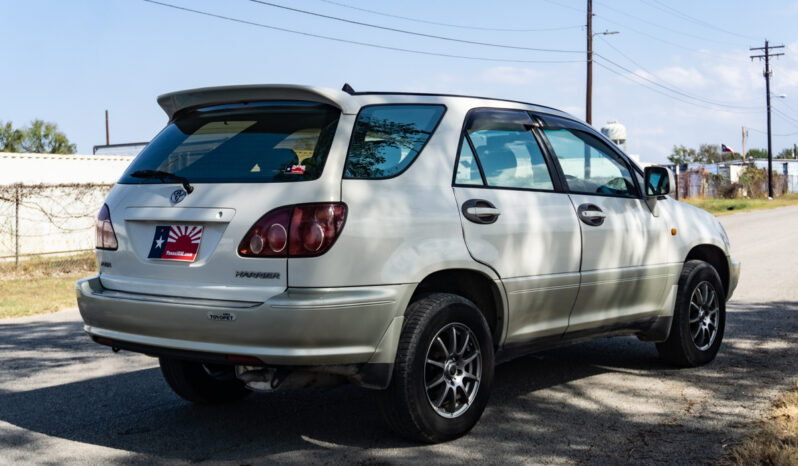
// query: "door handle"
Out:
[483,211]
[591,214]
[480,211]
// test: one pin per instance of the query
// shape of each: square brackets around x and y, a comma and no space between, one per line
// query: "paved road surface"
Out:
[65,399]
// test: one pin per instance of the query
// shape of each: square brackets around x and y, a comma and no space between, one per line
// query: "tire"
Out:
[431,330]
[696,343]
[202,383]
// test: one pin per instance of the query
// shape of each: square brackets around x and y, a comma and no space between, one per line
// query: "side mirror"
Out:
[658,181]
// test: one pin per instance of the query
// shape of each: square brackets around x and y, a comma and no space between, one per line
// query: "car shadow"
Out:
[542,408]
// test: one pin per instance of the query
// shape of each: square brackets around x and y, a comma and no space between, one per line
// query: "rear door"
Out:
[515,221]
[242,161]
[624,261]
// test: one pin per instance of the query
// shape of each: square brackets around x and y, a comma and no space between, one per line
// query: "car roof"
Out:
[349,102]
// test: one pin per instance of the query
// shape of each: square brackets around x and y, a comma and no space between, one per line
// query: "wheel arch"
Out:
[473,285]
[715,257]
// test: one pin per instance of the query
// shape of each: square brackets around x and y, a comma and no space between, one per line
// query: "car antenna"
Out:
[348,89]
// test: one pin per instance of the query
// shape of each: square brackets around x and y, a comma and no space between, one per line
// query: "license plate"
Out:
[176,242]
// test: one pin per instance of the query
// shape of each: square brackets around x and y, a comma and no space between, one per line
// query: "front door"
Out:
[625,270]
[517,220]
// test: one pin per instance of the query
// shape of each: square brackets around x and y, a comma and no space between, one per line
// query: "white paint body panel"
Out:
[555,274]
[626,268]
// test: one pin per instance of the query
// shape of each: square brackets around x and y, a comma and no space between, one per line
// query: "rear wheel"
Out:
[202,383]
[443,372]
[699,318]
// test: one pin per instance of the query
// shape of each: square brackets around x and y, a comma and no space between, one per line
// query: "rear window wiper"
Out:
[163,176]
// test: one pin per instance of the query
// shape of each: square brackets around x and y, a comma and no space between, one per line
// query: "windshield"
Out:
[242,143]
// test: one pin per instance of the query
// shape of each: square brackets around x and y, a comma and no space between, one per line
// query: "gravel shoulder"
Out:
[66,399]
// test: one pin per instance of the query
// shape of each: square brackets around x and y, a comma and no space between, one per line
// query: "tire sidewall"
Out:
[455,310]
[702,272]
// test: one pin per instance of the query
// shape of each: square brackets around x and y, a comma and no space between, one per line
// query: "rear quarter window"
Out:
[386,139]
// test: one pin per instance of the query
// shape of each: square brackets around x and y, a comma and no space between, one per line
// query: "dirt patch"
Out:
[774,440]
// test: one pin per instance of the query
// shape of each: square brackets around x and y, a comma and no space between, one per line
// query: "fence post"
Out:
[16,227]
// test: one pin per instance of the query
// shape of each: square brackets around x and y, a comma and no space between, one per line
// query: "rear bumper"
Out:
[300,327]
[734,276]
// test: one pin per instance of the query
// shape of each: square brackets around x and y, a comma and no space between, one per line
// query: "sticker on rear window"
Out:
[176,242]
[295,169]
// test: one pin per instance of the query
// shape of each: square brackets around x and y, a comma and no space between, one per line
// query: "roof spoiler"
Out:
[174,102]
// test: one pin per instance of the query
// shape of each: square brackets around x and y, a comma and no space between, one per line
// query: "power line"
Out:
[413,33]
[676,90]
[347,41]
[631,60]
[774,134]
[459,26]
[652,23]
[643,68]
[785,116]
[679,14]
[651,36]
[642,33]
[658,91]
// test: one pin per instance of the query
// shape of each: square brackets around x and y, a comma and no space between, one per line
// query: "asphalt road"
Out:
[65,399]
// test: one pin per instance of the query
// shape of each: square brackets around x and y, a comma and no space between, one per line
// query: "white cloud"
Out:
[683,77]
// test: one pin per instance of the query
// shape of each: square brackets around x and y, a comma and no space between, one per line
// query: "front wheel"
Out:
[699,318]
[443,372]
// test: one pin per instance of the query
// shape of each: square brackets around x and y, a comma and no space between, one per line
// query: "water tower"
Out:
[616,133]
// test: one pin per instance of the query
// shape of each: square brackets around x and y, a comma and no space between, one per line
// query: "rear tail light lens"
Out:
[304,230]
[105,238]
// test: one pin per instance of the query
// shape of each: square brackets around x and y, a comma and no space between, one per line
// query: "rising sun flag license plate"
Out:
[176,242]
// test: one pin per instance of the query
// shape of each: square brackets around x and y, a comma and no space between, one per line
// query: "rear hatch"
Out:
[239,162]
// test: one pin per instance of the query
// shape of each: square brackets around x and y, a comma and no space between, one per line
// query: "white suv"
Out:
[275,237]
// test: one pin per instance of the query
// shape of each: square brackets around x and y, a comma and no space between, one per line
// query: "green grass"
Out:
[24,297]
[40,285]
[729,206]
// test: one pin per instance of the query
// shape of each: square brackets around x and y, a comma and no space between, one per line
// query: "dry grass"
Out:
[42,285]
[775,438]
[730,206]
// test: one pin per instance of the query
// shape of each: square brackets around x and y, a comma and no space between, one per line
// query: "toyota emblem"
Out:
[178,195]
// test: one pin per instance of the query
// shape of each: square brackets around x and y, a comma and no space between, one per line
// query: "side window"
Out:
[590,167]
[467,168]
[387,138]
[508,153]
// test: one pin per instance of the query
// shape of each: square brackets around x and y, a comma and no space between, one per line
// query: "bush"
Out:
[729,191]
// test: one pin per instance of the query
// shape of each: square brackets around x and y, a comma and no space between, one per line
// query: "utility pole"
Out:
[745,133]
[107,136]
[589,88]
[766,56]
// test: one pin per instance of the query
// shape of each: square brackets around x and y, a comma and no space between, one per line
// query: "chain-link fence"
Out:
[48,220]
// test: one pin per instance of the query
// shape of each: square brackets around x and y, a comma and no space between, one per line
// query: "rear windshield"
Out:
[242,143]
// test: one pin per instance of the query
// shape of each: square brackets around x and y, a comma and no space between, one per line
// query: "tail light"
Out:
[104,230]
[305,230]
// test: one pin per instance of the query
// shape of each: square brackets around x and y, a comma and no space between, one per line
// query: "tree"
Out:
[757,154]
[10,138]
[44,137]
[708,153]
[786,153]
[682,155]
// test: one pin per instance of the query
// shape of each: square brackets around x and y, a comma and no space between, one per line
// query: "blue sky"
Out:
[68,61]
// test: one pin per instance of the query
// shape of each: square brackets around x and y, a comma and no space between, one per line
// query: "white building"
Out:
[616,133]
